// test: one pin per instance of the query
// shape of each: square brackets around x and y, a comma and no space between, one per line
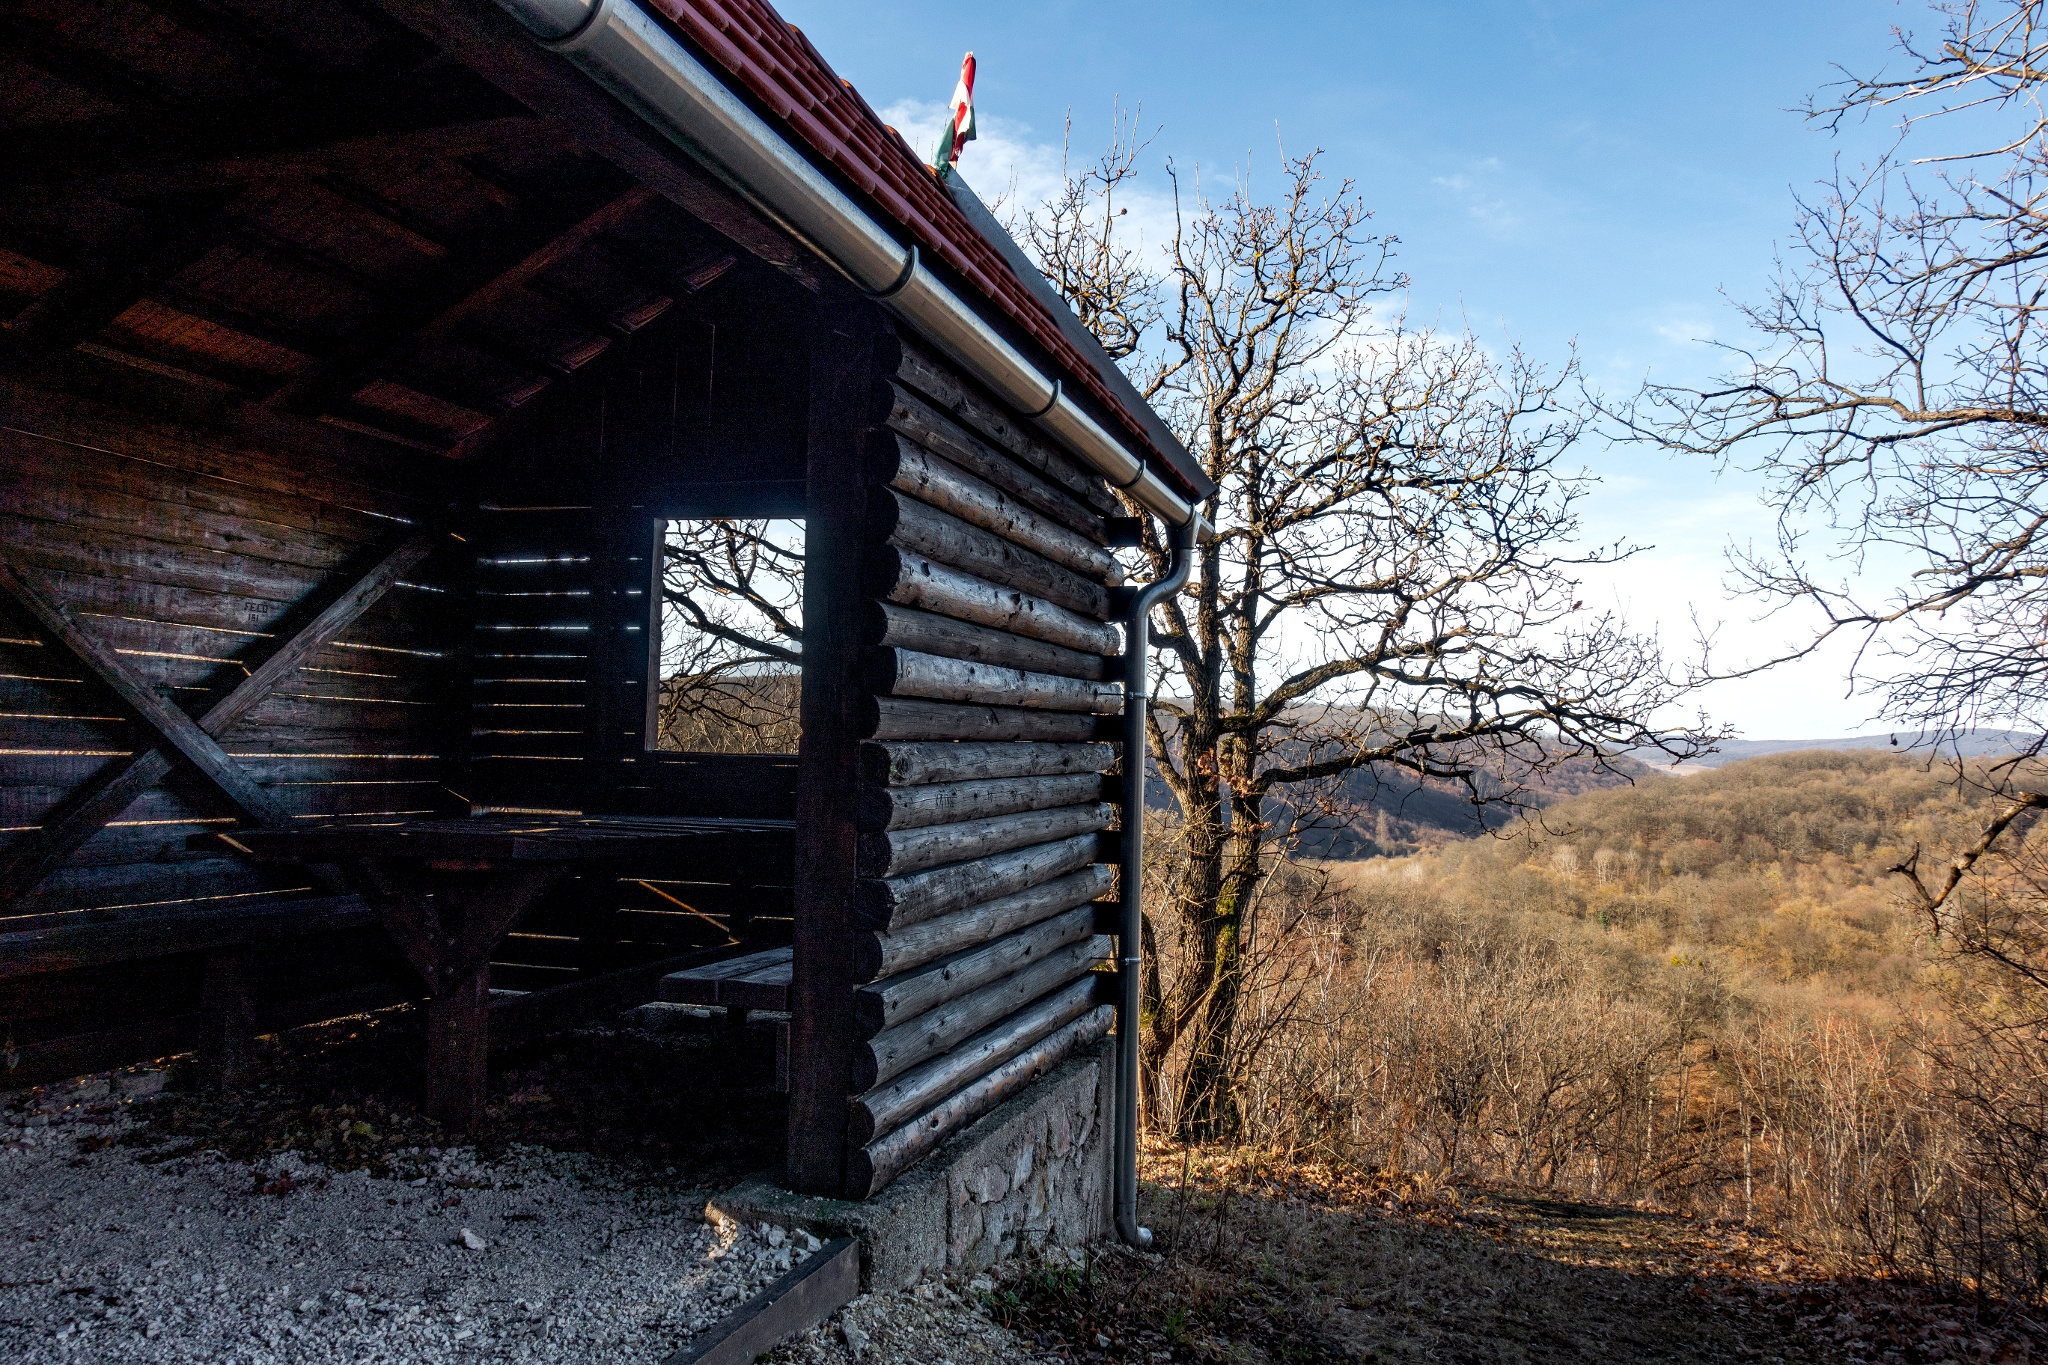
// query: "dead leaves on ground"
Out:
[1271,1260]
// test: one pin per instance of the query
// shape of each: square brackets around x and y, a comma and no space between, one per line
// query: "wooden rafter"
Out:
[349,157]
[468,288]
[491,43]
[310,115]
[556,251]
[103,799]
[164,243]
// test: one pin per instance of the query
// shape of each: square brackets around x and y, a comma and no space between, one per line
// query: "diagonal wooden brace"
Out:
[172,725]
[103,799]
[407,913]
[471,934]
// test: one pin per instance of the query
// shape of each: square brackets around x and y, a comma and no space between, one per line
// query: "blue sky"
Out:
[1596,172]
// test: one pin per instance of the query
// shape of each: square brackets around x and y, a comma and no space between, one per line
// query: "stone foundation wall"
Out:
[1033,1173]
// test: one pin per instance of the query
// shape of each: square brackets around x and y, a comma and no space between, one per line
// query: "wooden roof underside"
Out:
[336,210]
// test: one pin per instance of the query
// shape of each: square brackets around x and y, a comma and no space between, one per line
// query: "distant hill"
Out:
[1970,744]
[1387,812]
[1773,870]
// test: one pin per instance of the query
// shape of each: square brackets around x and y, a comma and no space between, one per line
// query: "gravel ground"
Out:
[936,1323]
[115,1253]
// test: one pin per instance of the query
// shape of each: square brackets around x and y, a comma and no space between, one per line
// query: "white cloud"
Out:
[1477,190]
[1673,589]
[1014,170]
[1685,331]
[1003,163]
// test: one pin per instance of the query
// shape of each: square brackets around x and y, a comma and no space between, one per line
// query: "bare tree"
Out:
[732,642]
[1894,393]
[1894,397]
[1393,582]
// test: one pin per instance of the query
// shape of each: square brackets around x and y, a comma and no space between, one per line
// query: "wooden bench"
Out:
[757,981]
[738,985]
[224,940]
[448,890]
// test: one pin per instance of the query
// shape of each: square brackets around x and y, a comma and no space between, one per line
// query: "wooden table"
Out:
[449,890]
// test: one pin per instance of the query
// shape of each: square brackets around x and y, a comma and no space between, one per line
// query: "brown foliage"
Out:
[1703,992]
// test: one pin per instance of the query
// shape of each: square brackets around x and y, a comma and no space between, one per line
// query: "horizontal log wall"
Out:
[192,558]
[985,839]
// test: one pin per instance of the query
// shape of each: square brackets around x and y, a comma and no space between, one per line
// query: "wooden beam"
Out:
[408,915]
[60,943]
[801,1299]
[102,799]
[468,288]
[877,1163]
[844,364]
[459,1012]
[94,72]
[346,158]
[486,916]
[172,725]
[167,240]
[523,1018]
[458,1051]
[491,43]
[309,115]
[227,1017]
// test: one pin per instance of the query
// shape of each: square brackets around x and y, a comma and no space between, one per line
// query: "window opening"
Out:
[732,636]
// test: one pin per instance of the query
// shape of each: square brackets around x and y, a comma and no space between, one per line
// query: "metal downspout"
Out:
[1131,874]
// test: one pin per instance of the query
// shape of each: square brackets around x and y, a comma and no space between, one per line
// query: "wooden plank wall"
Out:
[565,523]
[508,671]
[985,829]
[565,616]
[193,554]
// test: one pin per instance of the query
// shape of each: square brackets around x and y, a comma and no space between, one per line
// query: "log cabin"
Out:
[357,356]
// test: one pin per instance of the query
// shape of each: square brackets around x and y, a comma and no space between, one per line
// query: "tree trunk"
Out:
[1165,1013]
[1208,1108]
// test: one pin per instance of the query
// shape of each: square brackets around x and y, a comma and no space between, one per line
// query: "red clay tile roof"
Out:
[778,66]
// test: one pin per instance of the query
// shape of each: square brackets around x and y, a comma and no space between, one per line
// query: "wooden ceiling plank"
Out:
[347,157]
[224,27]
[164,243]
[560,249]
[221,313]
[309,115]
[428,315]
[93,72]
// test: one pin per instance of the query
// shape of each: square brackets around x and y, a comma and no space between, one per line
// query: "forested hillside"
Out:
[1774,870]
[1708,992]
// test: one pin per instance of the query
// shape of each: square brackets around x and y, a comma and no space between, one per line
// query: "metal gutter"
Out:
[625,50]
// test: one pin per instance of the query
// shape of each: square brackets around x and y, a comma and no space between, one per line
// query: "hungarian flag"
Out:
[960,128]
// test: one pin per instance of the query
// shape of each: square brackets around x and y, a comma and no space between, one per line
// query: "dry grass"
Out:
[1265,1260]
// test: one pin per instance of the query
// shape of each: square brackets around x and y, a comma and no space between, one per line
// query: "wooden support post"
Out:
[845,405]
[229,1013]
[448,937]
[458,1020]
